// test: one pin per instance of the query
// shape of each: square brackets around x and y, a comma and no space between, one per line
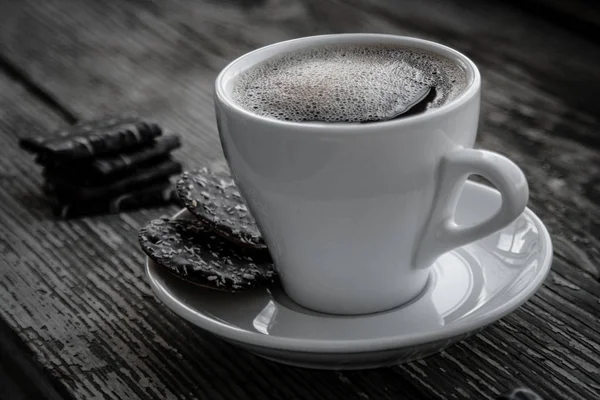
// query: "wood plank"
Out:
[84,308]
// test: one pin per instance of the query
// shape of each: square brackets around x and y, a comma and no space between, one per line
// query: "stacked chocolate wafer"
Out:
[106,166]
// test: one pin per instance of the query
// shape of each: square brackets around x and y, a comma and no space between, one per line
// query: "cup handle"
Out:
[442,233]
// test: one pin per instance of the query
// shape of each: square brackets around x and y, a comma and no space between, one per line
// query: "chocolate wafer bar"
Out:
[107,165]
[103,169]
[35,144]
[93,139]
[162,146]
[68,192]
[156,195]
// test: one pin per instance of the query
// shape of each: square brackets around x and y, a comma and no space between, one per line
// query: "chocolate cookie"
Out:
[214,199]
[191,251]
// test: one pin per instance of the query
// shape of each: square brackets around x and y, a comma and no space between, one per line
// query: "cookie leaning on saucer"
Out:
[193,252]
[212,196]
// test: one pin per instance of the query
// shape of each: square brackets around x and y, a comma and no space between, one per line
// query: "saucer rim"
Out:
[364,345]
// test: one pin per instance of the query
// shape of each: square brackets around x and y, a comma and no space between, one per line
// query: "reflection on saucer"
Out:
[264,318]
[460,285]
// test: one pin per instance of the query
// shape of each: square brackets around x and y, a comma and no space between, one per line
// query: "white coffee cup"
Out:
[355,214]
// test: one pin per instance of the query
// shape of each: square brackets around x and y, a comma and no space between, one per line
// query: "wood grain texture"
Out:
[75,293]
[19,368]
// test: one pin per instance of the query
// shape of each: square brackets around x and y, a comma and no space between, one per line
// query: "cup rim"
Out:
[232,69]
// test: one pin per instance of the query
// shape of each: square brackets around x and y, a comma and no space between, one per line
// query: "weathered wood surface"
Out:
[74,291]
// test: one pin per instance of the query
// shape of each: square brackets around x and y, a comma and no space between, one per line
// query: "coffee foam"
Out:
[347,83]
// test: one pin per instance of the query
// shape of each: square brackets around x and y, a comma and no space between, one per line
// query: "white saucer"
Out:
[468,289]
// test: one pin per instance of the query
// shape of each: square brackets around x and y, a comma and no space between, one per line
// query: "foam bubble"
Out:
[348,83]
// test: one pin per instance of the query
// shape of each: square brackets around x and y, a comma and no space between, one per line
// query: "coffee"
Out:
[349,83]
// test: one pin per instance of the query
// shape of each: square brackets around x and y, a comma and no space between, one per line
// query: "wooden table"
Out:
[79,320]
